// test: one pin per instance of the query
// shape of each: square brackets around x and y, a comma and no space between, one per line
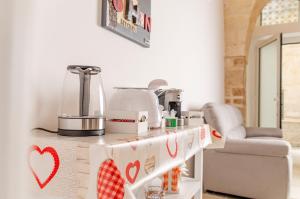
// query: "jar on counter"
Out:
[154,192]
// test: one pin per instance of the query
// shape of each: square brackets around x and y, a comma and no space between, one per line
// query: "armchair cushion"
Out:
[263,132]
[260,147]
[226,119]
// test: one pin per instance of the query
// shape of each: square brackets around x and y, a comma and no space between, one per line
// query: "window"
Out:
[280,12]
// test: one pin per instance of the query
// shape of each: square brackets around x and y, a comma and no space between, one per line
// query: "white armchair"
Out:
[255,162]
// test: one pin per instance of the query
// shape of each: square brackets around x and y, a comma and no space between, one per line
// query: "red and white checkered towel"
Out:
[110,182]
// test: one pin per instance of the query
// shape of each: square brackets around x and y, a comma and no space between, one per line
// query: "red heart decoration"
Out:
[174,154]
[216,134]
[110,182]
[54,154]
[130,165]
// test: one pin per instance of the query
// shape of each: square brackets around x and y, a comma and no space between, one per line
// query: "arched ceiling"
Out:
[240,18]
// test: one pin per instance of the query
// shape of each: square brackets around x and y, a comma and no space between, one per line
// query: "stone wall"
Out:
[240,20]
[235,81]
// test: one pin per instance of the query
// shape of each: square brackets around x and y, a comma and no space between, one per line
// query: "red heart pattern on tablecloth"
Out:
[173,154]
[133,165]
[110,183]
[216,134]
[55,168]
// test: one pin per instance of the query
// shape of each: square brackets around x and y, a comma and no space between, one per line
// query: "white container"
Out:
[193,118]
[129,122]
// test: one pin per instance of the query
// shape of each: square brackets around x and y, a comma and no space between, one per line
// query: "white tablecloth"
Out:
[139,159]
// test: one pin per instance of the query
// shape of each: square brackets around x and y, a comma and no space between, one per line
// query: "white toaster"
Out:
[137,99]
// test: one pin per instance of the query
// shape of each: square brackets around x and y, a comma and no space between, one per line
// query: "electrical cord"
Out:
[43,129]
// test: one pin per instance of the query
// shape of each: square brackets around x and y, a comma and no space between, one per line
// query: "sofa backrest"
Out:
[226,119]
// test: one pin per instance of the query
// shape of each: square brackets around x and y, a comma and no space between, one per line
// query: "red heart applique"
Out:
[54,154]
[132,165]
[172,154]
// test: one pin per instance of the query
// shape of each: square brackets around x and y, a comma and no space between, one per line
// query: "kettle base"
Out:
[81,133]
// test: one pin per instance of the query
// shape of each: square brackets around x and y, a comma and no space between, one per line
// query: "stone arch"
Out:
[240,18]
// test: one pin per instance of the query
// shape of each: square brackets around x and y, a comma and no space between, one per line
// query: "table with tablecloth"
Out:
[110,166]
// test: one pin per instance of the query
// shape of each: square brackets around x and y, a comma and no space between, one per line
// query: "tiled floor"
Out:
[295,193]
[295,189]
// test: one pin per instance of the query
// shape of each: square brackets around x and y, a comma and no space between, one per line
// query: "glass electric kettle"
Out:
[83,102]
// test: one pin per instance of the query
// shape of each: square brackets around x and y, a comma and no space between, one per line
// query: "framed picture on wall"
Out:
[128,18]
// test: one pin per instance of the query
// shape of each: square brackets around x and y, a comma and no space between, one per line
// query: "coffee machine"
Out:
[83,102]
[170,99]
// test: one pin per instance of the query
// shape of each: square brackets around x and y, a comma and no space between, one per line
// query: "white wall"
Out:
[15,62]
[5,32]
[186,49]
[39,38]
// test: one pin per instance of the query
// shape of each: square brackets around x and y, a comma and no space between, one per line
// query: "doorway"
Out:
[291,88]
[279,84]
[269,82]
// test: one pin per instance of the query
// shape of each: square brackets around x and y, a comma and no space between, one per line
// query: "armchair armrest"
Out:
[263,132]
[275,148]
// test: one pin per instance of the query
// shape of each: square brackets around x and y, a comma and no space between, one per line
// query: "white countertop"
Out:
[114,138]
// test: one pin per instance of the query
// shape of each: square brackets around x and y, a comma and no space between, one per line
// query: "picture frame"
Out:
[128,18]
